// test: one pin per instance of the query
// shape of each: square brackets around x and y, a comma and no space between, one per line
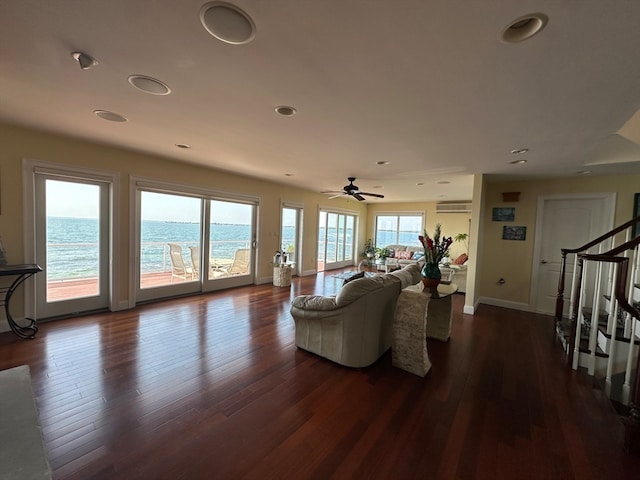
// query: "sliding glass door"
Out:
[189,243]
[335,240]
[231,241]
[290,234]
[170,231]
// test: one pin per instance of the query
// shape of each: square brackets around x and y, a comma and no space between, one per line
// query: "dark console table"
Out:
[21,272]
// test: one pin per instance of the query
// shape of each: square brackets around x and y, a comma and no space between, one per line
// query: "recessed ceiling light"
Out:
[524,27]
[227,23]
[86,61]
[111,116]
[420,183]
[584,172]
[517,162]
[182,145]
[443,182]
[519,151]
[382,162]
[285,110]
[149,85]
[377,186]
[288,174]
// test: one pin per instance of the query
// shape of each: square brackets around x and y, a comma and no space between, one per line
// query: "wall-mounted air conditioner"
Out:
[457,207]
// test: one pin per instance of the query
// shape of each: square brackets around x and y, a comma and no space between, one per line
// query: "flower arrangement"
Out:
[436,248]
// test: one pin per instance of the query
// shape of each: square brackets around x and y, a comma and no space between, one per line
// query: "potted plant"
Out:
[435,249]
[463,237]
[382,253]
[369,249]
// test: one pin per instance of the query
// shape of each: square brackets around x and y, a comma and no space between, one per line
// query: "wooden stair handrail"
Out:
[586,246]
[603,237]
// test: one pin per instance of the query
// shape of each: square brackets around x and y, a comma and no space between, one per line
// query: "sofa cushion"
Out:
[314,302]
[403,255]
[461,260]
[353,277]
[409,275]
[417,255]
[356,289]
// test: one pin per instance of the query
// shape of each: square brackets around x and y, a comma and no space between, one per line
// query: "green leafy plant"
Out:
[464,238]
[369,248]
[383,252]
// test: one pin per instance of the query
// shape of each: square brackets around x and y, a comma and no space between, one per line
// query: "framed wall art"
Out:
[503,214]
[514,233]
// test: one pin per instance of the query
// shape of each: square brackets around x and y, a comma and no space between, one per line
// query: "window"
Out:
[336,232]
[398,229]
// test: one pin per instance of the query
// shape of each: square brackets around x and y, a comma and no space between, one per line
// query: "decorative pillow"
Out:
[406,255]
[461,259]
[417,255]
[353,277]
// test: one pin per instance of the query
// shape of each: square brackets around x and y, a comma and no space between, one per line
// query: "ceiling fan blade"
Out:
[336,196]
[358,196]
[372,194]
[335,192]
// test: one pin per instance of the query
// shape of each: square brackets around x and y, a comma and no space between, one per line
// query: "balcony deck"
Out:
[85,287]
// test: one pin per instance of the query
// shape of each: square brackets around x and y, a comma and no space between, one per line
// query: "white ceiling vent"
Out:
[453,207]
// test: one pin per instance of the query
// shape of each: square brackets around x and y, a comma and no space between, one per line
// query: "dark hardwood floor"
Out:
[213,387]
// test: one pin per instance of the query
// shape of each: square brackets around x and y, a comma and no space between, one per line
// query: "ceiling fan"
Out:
[353,191]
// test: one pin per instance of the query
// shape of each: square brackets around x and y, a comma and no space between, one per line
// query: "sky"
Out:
[78,200]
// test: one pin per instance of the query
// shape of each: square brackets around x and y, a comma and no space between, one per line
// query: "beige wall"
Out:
[21,143]
[512,260]
[507,259]
[452,223]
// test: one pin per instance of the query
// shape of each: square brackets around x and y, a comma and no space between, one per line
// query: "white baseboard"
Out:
[308,273]
[497,302]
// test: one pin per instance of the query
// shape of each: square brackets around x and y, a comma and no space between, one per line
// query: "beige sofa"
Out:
[352,328]
[402,262]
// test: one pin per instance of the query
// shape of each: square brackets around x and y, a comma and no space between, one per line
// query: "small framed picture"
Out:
[514,233]
[503,214]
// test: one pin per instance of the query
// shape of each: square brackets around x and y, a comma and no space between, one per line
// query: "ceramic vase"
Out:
[430,275]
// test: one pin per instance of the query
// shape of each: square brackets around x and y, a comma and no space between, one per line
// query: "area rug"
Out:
[345,275]
[22,452]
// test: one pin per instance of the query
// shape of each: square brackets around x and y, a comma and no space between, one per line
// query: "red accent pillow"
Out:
[406,255]
[461,259]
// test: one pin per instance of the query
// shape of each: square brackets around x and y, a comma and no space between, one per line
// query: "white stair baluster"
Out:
[595,320]
[612,325]
[579,319]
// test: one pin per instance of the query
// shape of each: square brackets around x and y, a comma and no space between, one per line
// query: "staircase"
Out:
[599,327]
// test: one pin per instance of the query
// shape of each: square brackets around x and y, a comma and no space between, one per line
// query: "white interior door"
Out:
[565,223]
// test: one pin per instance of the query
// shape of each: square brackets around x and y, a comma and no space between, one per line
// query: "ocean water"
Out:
[72,244]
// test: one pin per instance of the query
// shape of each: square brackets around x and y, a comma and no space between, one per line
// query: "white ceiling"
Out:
[425,85]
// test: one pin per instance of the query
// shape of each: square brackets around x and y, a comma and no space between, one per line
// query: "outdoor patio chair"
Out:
[240,265]
[178,268]
[195,261]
